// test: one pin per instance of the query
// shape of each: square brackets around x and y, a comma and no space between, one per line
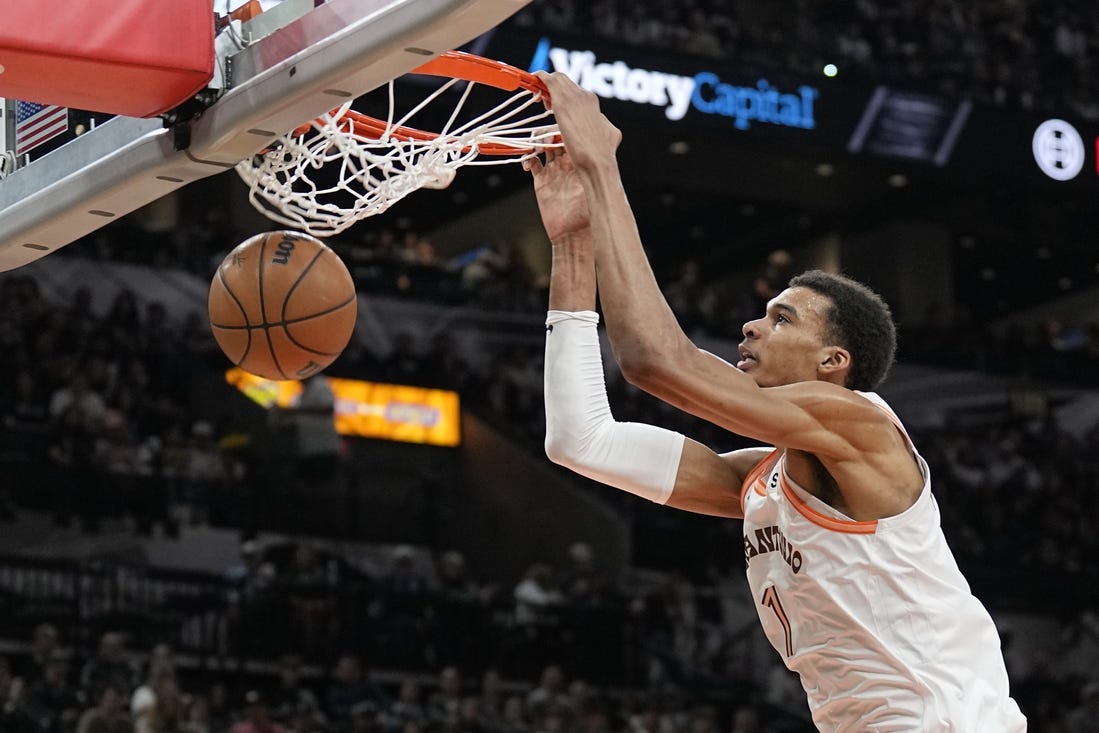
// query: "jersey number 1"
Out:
[771,601]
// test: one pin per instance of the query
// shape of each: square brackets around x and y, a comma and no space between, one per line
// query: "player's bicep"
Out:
[708,483]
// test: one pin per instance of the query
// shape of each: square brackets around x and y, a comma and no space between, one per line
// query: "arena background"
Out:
[173,508]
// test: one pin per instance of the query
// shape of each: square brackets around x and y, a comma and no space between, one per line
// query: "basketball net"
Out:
[369,164]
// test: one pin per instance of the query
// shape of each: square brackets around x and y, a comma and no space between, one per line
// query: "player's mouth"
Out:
[747,359]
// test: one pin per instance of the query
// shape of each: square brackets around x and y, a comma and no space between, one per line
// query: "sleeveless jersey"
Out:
[875,617]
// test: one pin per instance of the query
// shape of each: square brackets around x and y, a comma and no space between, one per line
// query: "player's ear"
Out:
[836,359]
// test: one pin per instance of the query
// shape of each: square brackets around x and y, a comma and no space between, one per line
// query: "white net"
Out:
[346,167]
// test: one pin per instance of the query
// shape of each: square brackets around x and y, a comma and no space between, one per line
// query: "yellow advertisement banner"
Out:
[369,409]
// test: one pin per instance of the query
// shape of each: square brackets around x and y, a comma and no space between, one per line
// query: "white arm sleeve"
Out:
[581,433]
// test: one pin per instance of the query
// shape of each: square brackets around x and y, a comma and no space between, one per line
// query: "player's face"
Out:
[785,345]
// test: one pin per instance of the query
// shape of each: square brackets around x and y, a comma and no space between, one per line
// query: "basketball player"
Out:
[851,574]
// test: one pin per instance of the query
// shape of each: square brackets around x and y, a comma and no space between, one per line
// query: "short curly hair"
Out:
[859,321]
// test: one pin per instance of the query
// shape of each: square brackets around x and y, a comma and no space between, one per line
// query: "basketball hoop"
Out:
[369,164]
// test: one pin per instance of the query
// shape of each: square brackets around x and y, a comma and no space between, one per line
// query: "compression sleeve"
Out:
[581,433]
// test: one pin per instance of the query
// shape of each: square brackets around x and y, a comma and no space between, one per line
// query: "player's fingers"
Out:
[532,164]
[554,152]
[556,83]
[545,134]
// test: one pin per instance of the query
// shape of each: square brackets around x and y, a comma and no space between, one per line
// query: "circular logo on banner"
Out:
[1058,149]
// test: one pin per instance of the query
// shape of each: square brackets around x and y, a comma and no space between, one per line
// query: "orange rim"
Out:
[456,65]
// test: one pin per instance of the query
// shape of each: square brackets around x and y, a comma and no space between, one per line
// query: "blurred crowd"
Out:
[431,649]
[51,690]
[108,400]
[418,662]
[493,275]
[1021,54]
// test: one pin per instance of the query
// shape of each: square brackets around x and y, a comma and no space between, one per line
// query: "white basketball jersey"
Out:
[875,617]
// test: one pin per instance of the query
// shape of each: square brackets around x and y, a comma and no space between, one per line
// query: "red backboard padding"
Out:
[129,57]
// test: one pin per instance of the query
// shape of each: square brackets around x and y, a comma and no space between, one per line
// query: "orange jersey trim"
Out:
[758,472]
[848,526]
[892,417]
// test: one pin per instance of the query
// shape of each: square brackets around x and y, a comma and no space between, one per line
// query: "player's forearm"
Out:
[572,277]
[643,330]
[581,432]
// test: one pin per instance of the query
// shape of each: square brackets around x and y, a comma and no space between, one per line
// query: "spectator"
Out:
[408,707]
[403,594]
[307,719]
[403,364]
[549,694]
[460,605]
[365,718]
[1085,717]
[108,715]
[514,717]
[470,718]
[291,696]
[196,715]
[580,696]
[257,719]
[53,701]
[536,598]
[45,645]
[309,587]
[446,366]
[444,706]
[221,714]
[165,715]
[350,686]
[78,399]
[1039,694]
[110,666]
[784,688]
[15,717]
[650,719]
[204,469]
[492,698]
[161,668]
[746,720]
[316,442]
[25,408]
[247,578]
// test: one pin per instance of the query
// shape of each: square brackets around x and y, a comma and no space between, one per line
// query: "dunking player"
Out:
[852,577]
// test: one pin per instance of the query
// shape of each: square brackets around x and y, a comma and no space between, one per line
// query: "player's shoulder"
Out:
[855,421]
[827,395]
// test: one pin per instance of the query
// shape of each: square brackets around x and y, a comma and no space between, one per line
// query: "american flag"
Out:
[37,123]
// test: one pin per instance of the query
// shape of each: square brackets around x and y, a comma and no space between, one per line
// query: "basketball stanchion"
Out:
[345,166]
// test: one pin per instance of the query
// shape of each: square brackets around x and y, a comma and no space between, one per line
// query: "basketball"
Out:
[282,305]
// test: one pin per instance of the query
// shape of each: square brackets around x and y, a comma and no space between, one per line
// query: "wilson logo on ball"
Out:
[282,252]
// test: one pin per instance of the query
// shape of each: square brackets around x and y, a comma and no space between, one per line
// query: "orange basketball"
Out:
[282,305]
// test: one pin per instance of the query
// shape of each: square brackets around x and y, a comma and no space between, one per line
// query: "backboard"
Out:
[281,76]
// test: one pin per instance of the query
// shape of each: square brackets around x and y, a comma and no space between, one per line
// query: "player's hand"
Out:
[590,138]
[560,192]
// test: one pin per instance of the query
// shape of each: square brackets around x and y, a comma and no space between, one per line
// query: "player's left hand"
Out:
[560,192]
